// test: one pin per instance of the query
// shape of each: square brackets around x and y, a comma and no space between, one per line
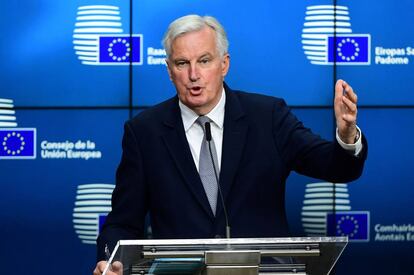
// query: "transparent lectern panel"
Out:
[227,256]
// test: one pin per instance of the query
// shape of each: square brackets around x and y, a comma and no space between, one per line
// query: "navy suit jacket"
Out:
[262,143]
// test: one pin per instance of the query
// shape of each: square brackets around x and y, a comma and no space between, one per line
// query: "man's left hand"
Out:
[345,105]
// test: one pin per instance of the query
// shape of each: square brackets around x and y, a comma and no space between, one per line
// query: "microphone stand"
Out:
[208,139]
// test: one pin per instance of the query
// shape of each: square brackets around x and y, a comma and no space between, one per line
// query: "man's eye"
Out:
[204,61]
[180,63]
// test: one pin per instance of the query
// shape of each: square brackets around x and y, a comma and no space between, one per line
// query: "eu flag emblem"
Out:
[354,224]
[349,49]
[120,49]
[18,143]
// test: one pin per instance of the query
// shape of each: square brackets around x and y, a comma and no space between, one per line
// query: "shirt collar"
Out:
[216,114]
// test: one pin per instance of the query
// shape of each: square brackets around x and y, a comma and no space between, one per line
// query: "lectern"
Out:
[243,256]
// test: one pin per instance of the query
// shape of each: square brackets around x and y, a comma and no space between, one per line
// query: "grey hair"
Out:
[192,23]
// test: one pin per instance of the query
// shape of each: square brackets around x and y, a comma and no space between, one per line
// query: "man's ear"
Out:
[225,64]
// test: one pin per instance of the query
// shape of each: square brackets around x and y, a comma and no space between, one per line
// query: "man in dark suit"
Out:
[258,140]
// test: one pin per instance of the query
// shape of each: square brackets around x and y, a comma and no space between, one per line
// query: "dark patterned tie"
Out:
[206,168]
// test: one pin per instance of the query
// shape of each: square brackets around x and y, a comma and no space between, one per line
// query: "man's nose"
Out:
[193,72]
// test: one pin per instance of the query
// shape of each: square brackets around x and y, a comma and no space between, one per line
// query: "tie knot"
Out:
[201,120]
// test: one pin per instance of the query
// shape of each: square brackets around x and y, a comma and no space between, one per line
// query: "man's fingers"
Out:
[351,106]
[116,268]
[349,119]
[353,96]
[100,267]
[342,88]
[339,88]
[349,93]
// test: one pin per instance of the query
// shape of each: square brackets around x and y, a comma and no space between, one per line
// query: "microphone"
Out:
[208,139]
[208,134]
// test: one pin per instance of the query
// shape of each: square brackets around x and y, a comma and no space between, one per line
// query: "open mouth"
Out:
[195,90]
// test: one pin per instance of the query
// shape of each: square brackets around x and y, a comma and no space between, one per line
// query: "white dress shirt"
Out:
[195,133]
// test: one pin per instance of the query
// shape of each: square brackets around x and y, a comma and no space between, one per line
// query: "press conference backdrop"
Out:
[73,72]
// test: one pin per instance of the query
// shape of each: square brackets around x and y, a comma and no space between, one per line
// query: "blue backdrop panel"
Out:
[38,197]
[39,64]
[270,52]
[392,39]
[386,191]
[266,54]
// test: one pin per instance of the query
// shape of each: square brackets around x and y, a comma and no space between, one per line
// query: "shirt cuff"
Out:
[355,148]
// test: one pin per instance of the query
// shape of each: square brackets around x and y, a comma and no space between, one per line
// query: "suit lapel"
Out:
[177,144]
[234,138]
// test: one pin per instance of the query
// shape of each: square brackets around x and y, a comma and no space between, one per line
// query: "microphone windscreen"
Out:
[208,131]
